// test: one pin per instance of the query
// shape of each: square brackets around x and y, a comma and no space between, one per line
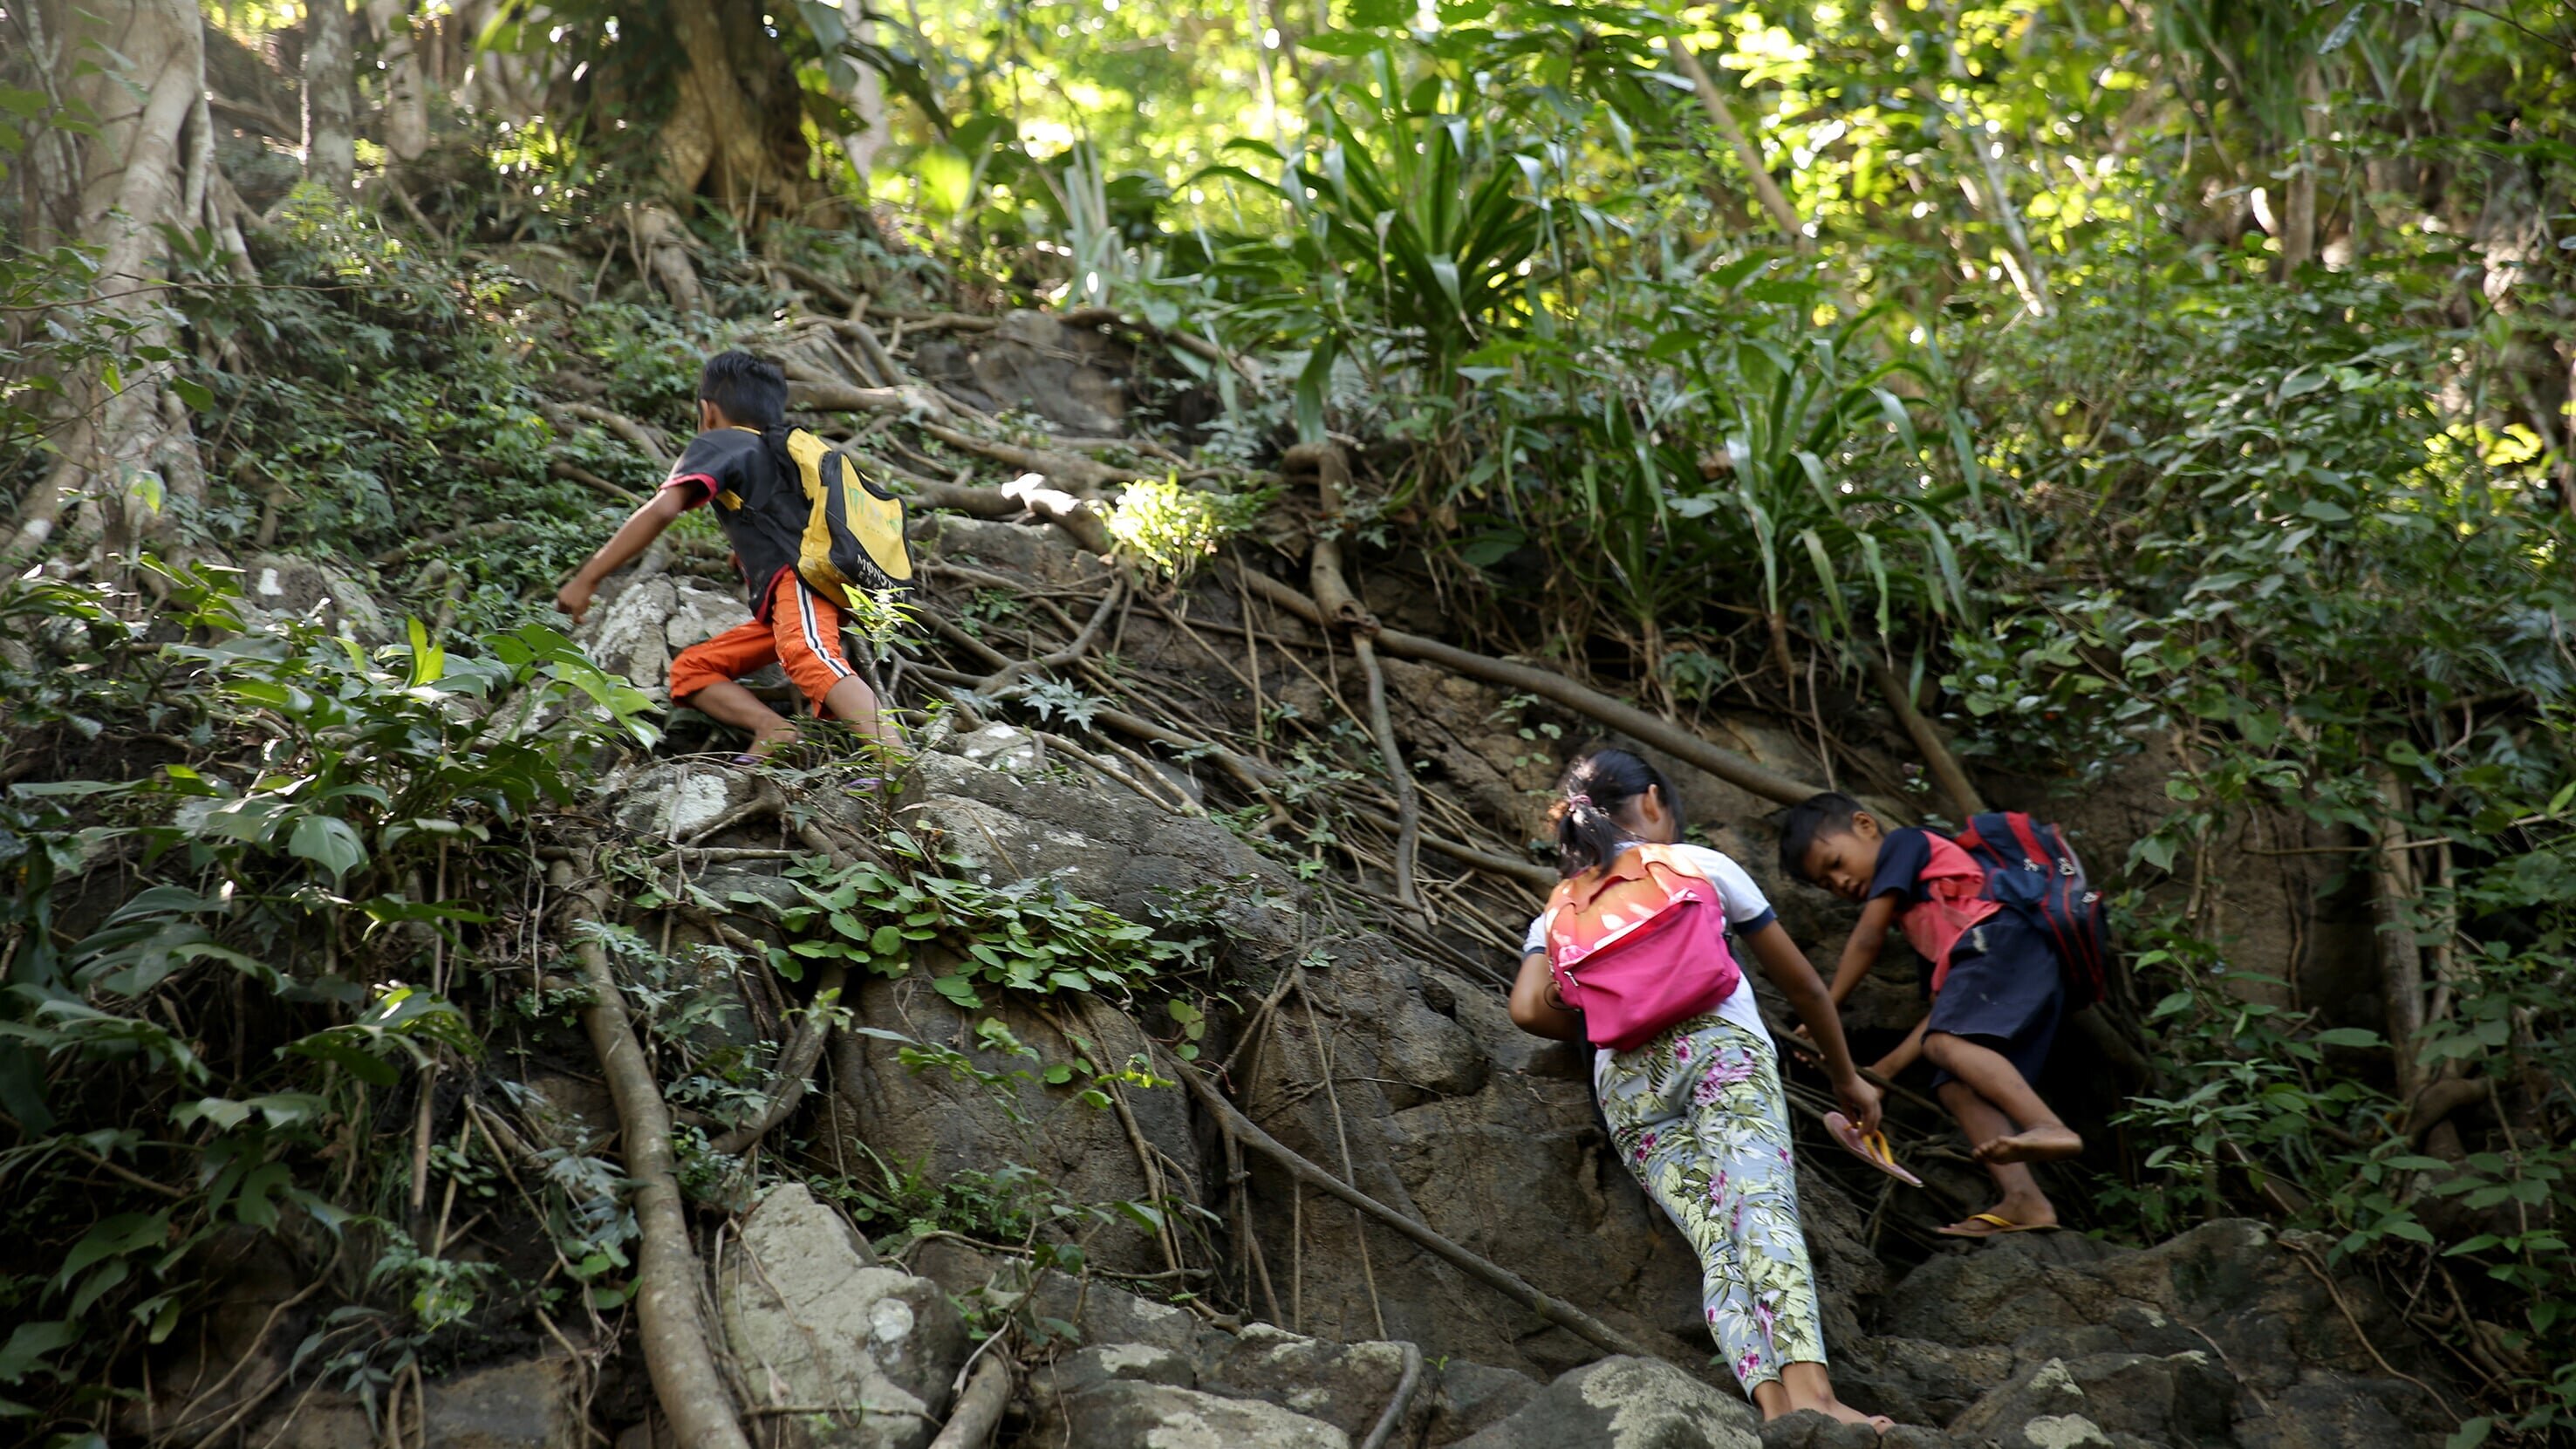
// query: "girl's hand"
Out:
[1859,1101]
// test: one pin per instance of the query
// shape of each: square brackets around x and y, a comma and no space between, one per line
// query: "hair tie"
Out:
[1578,799]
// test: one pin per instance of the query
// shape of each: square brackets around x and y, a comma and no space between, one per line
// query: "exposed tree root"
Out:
[1393,1414]
[1343,609]
[1636,723]
[644,439]
[795,1063]
[1554,1309]
[674,1336]
[979,1409]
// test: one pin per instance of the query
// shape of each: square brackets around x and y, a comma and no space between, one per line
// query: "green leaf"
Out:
[2470,1434]
[2348,1036]
[29,1343]
[328,843]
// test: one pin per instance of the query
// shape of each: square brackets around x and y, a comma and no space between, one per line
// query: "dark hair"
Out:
[1830,813]
[748,390]
[1596,788]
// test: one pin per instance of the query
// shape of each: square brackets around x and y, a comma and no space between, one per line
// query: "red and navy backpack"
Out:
[2031,868]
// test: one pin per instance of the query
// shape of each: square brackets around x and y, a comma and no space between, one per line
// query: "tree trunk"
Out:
[123,451]
[406,103]
[330,83]
[719,139]
[2299,194]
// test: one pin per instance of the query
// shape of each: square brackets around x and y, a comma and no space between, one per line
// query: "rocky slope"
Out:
[1385,1057]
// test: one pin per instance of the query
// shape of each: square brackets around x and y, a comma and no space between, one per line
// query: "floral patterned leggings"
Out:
[1698,1116]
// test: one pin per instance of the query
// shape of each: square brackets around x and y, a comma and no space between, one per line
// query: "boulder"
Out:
[1125,1414]
[1086,1369]
[1072,377]
[288,586]
[676,799]
[999,808]
[1471,1396]
[636,629]
[2060,1404]
[530,1404]
[1626,1403]
[1102,1314]
[940,1124]
[813,1320]
[1347,1385]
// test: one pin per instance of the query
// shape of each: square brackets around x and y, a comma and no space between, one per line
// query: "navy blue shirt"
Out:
[1902,855]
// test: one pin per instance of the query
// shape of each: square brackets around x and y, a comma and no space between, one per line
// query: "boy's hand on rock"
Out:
[574,599]
[1859,1102]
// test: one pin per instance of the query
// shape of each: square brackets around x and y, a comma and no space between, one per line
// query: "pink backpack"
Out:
[1638,945]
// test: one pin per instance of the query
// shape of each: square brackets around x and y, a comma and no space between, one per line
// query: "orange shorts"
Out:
[802,634]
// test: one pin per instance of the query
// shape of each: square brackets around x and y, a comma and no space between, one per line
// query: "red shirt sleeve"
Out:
[695,488]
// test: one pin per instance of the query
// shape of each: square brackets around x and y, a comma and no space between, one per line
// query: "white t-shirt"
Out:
[1747,911]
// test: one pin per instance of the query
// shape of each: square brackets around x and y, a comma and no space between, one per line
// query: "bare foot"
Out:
[1836,1410]
[2044,1143]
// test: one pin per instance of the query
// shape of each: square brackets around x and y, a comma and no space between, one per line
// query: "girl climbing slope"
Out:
[1632,955]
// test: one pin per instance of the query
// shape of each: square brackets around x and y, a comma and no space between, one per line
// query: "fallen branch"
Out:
[1067,468]
[979,1410]
[676,1352]
[1079,518]
[572,472]
[1626,718]
[815,393]
[807,277]
[1548,1306]
[1343,609]
[1927,739]
[644,439]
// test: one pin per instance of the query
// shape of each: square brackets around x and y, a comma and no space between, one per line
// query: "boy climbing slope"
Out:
[738,462]
[1997,993]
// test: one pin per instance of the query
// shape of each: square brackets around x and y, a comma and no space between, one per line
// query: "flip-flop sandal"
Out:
[1871,1148]
[2000,1225]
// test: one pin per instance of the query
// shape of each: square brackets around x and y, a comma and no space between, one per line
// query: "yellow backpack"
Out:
[853,536]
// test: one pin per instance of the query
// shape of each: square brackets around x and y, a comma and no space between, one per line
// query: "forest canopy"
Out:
[2045,396]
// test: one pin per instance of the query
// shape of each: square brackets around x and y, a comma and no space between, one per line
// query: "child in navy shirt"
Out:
[1997,993]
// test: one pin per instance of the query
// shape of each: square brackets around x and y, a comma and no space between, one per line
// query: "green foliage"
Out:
[1024,935]
[275,880]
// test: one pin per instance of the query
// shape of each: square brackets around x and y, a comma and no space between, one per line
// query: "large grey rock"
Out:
[2160,1344]
[1125,1414]
[2060,1404]
[1103,1314]
[1626,1403]
[1086,1369]
[1809,1429]
[530,1404]
[940,1124]
[1072,377]
[638,628]
[1347,1385]
[813,1321]
[1470,1396]
[675,799]
[991,801]
[289,586]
